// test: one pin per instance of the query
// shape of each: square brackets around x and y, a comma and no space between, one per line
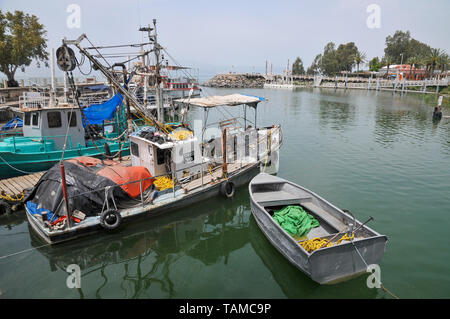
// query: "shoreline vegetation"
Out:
[422,63]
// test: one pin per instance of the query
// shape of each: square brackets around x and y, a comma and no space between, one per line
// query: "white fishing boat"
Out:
[171,165]
[217,166]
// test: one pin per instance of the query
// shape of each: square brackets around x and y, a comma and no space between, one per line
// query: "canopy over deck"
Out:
[223,100]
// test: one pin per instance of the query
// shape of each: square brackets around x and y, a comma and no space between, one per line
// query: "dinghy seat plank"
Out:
[328,218]
[277,198]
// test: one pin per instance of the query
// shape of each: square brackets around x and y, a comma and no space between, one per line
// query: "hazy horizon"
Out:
[218,37]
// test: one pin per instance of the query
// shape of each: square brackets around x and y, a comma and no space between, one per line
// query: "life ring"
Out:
[5,207]
[227,189]
[110,219]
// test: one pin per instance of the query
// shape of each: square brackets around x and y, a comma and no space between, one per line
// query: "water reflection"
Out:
[10,221]
[336,110]
[402,118]
[143,257]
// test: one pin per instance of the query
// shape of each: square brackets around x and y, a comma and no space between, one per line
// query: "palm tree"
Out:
[414,61]
[432,59]
[387,60]
[360,57]
[444,61]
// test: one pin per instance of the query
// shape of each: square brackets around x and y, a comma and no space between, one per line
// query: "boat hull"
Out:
[327,265]
[239,178]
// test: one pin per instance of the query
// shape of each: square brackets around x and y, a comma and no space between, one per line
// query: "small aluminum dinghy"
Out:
[325,265]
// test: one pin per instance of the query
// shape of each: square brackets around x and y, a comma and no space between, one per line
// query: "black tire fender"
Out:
[227,189]
[110,219]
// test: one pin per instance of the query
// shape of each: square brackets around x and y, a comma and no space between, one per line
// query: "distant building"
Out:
[403,70]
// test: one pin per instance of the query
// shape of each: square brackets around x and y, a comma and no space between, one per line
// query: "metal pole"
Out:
[64,188]
[52,67]
[66,90]
[224,151]
[142,195]
[245,117]
[159,101]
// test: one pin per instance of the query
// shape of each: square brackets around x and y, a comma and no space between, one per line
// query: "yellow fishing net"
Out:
[180,135]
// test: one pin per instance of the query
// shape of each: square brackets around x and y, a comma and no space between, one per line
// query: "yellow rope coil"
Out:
[163,183]
[316,243]
[17,198]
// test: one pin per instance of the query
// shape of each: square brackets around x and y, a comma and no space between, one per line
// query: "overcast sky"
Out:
[214,35]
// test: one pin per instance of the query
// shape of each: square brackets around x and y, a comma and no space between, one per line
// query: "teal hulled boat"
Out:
[44,135]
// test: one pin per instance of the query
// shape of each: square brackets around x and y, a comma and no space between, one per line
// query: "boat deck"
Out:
[15,186]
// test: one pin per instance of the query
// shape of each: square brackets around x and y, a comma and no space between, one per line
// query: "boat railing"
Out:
[141,181]
[34,102]
[261,149]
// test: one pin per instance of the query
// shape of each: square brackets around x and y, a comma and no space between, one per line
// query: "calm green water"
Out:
[375,154]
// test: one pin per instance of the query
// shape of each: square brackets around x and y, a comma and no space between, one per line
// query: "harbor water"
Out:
[374,153]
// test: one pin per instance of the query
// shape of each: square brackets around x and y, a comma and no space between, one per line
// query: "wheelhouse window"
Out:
[54,119]
[35,119]
[73,120]
[27,118]
[134,149]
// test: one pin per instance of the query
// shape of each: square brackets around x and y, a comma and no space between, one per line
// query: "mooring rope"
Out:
[19,170]
[381,284]
[23,251]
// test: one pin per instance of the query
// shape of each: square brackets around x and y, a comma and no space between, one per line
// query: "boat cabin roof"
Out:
[166,144]
[60,106]
[223,100]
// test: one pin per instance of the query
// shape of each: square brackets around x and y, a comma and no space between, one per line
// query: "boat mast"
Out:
[159,100]
[156,50]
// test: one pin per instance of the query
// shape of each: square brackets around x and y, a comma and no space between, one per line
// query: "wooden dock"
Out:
[15,186]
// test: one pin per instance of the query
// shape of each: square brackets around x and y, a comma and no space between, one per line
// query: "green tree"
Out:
[315,65]
[297,67]
[22,39]
[432,60]
[334,61]
[444,61]
[375,64]
[386,61]
[345,55]
[329,63]
[360,57]
[397,45]
[417,48]
[401,43]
